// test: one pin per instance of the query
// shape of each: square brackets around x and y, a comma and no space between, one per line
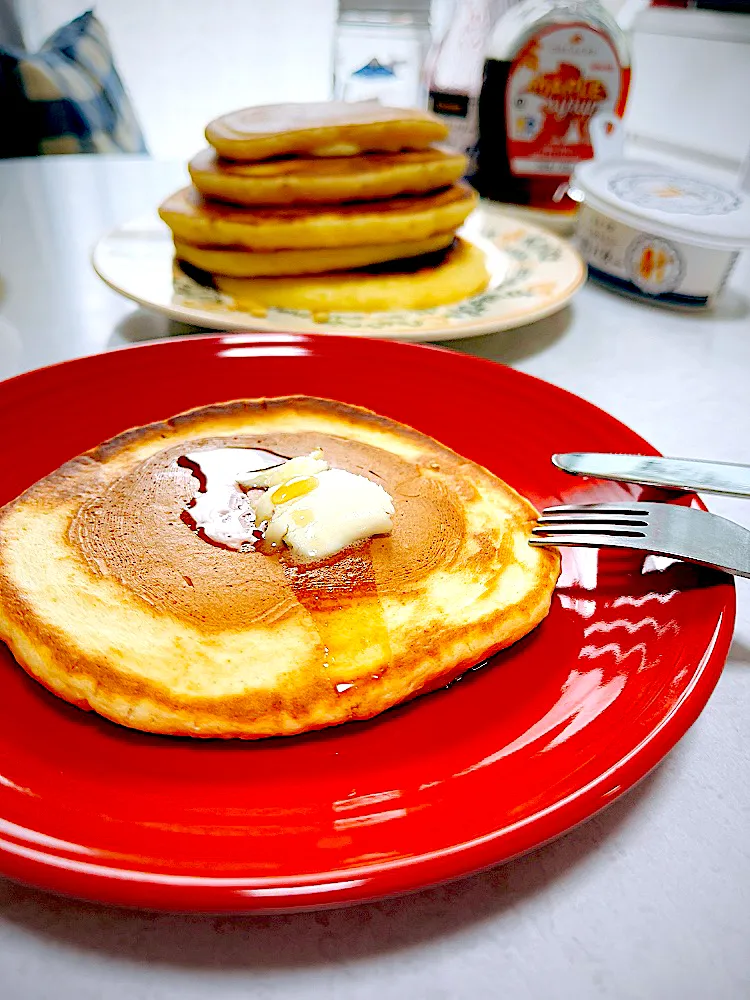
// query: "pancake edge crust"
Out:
[236,183]
[206,223]
[330,128]
[52,657]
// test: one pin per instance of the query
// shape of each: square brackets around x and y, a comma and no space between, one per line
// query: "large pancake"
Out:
[419,283]
[330,128]
[314,180]
[111,601]
[195,220]
[244,263]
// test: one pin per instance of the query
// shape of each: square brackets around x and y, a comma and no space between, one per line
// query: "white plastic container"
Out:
[656,233]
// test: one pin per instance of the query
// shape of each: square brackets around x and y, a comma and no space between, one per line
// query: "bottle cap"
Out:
[418,9]
[673,203]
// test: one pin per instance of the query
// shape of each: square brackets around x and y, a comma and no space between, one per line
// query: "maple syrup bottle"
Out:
[550,66]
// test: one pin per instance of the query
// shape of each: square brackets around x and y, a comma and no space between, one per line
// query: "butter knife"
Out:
[725,478]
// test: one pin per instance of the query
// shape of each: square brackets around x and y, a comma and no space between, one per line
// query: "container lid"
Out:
[418,8]
[669,202]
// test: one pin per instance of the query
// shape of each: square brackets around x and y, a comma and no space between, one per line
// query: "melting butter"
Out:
[317,511]
[293,468]
[314,510]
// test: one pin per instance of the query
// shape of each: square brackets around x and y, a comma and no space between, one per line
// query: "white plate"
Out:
[533,273]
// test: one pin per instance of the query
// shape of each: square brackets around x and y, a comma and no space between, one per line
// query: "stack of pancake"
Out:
[346,207]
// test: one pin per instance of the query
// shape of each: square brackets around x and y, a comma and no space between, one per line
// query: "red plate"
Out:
[514,754]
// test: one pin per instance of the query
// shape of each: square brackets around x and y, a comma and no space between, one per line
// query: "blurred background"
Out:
[185,63]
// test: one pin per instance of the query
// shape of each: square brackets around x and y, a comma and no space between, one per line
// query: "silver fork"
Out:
[662,528]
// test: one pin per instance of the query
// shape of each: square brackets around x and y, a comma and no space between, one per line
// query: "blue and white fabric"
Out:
[67,97]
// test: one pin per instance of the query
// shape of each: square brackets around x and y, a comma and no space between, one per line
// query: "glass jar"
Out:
[379,51]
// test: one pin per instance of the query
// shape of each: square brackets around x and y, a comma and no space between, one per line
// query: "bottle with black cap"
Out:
[455,71]
[550,66]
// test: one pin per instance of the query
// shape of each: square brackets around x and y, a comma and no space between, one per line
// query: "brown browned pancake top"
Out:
[136,534]
[271,119]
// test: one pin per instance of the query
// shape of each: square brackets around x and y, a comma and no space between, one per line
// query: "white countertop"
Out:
[650,899]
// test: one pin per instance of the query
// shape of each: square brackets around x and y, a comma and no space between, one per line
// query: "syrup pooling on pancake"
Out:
[223,514]
[337,619]
[220,512]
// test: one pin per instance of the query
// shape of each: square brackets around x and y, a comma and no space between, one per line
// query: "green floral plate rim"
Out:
[534,273]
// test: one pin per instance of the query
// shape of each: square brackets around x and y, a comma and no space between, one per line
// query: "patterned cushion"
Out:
[66,98]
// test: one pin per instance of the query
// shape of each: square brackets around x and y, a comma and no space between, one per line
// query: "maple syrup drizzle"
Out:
[342,618]
[221,512]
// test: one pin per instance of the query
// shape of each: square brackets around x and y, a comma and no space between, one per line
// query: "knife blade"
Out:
[726,478]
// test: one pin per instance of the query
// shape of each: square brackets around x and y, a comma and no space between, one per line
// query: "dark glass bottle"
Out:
[550,66]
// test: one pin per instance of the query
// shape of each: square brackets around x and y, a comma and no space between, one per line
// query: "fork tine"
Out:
[590,540]
[572,528]
[590,518]
[593,508]
[672,530]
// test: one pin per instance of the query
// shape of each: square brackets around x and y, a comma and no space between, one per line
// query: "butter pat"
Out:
[305,465]
[342,509]
[318,511]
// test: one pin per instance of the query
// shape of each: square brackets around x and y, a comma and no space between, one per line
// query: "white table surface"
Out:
[650,899]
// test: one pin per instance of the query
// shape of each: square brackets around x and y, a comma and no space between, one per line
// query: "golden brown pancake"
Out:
[316,180]
[111,601]
[194,220]
[243,263]
[330,128]
[421,283]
